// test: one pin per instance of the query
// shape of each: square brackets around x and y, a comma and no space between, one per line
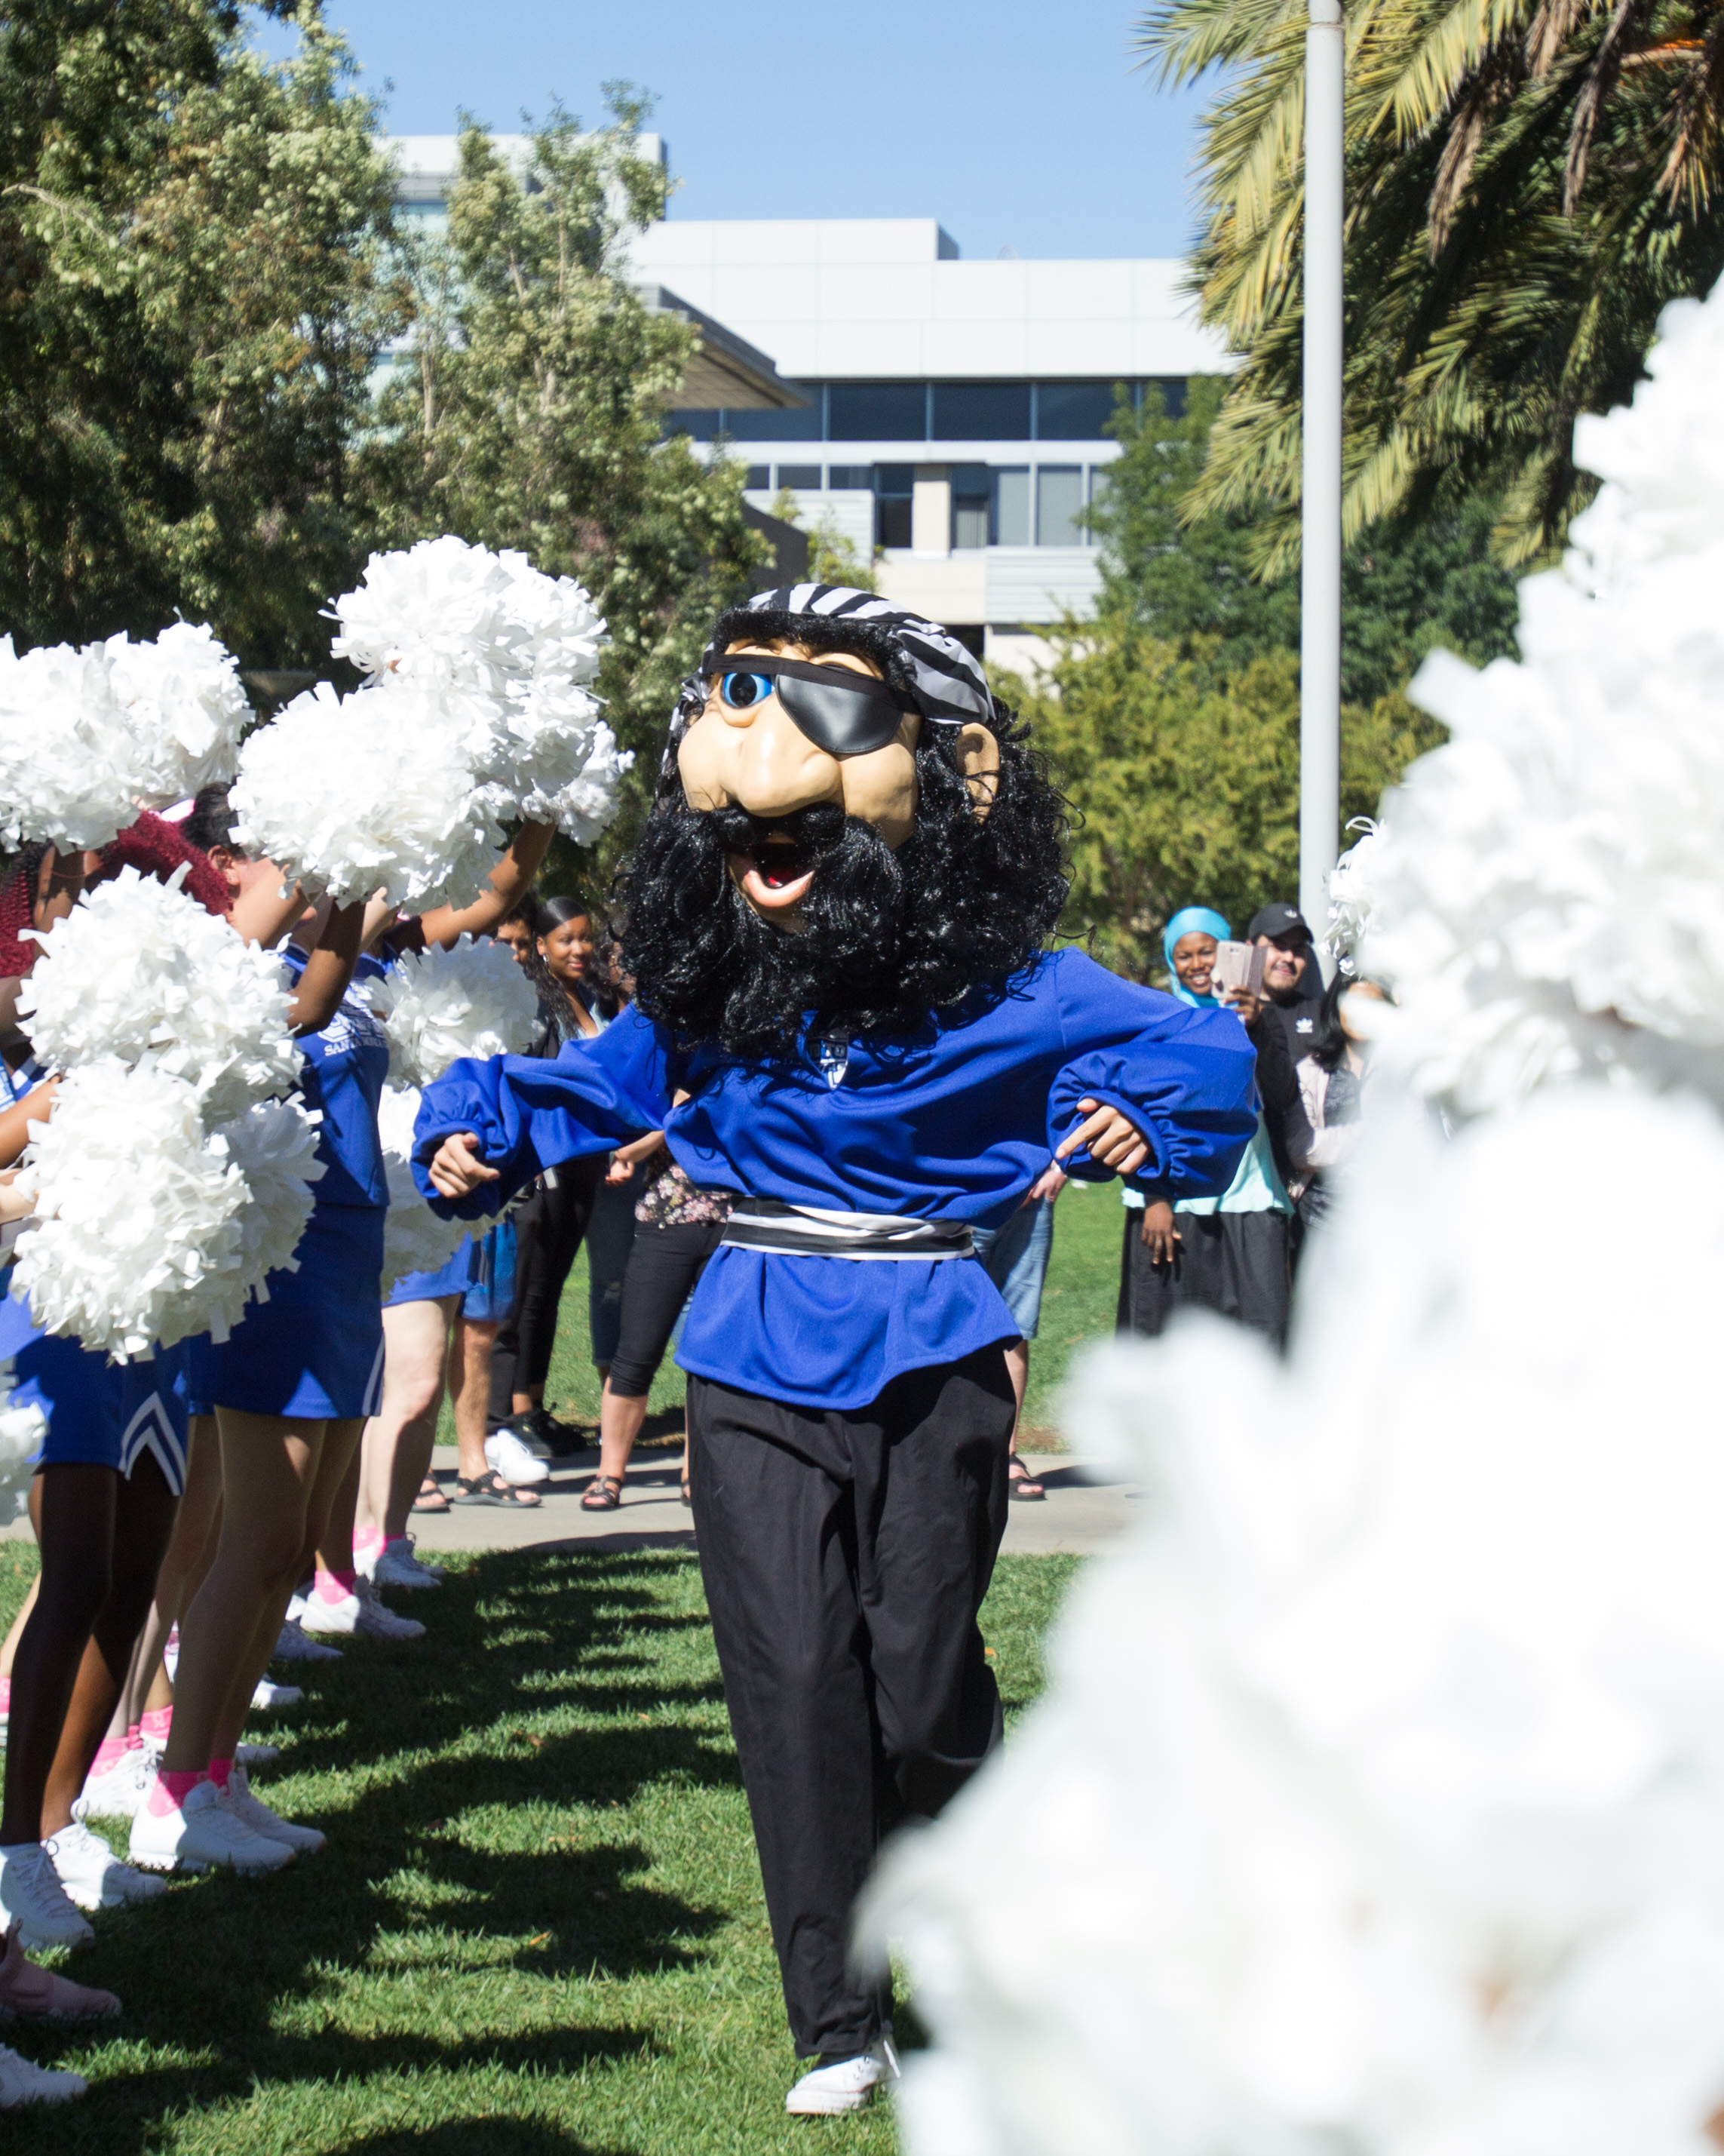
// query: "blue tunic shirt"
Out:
[953,1122]
[343,1074]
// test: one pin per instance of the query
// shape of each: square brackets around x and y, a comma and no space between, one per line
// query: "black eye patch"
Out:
[846,714]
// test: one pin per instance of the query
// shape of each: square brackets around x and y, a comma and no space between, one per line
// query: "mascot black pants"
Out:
[845,1557]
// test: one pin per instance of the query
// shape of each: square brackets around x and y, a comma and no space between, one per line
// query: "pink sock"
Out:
[134,1737]
[335,1586]
[108,1753]
[168,1792]
[155,1723]
[219,1770]
[5,1695]
[366,1538]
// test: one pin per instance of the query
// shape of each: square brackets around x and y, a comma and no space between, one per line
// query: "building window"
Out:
[801,425]
[1073,411]
[698,426]
[894,491]
[757,479]
[971,490]
[802,477]
[981,411]
[850,479]
[878,411]
[1058,505]
[1009,524]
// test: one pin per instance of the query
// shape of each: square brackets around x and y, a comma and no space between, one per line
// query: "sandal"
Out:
[686,1498]
[430,1498]
[602,1494]
[491,1489]
[1023,1483]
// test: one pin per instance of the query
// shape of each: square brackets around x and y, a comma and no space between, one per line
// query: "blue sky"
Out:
[1017,125]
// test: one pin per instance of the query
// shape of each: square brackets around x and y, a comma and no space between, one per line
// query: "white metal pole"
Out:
[1320,574]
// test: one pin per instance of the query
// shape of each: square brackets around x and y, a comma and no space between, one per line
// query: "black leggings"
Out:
[662,1265]
[548,1228]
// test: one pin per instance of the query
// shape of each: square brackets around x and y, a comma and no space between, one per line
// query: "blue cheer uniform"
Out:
[315,1347]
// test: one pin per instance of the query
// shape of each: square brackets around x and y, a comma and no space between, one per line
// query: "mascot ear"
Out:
[978,756]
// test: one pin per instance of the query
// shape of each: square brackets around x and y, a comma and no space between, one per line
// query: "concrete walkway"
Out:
[1076,1515]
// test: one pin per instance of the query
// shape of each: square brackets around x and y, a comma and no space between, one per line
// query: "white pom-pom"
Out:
[415,1238]
[137,1212]
[1352,892]
[275,1145]
[22,1430]
[368,793]
[68,760]
[436,1005]
[140,972]
[183,701]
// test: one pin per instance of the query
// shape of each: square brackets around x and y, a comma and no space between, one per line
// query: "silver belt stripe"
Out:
[818,1231]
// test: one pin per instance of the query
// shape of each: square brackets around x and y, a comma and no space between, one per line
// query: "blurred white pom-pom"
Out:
[415,1238]
[275,1145]
[1352,892]
[137,1210]
[67,759]
[138,971]
[367,793]
[437,1005]
[22,1430]
[581,800]
[183,701]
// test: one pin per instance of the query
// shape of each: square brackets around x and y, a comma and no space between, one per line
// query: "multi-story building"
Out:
[947,417]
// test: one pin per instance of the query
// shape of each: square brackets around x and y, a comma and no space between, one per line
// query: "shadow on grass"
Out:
[477,2136]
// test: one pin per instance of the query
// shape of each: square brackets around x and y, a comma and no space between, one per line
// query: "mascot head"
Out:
[850,829]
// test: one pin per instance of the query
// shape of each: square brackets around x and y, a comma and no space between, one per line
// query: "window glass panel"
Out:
[971,490]
[1173,390]
[1073,411]
[879,412]
[698,426]
[894,490]
[850,477]
[801,425]
[981,411]
[800,475]
[1011,508]
[1060,498]
[757,478]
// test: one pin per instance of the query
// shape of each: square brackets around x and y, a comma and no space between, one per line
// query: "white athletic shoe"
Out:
[398,1566]
[506,1454]
[378,1621]
[22,2082]
[846,2086]
[338,1617]
[294,1645]
[93,1876]
[251,1811]
[256,1755]
[118,1793]
[32,1895]
[201,1834]
[273,1698]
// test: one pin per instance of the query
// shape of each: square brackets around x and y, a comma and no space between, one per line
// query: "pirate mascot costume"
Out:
[845,1015]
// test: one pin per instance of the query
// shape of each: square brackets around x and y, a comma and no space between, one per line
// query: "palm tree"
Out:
[1529,182]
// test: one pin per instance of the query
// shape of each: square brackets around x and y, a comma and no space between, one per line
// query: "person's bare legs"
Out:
[335,1544]
[269,1466]
[185,1565]
[621,1419]
[10,1649]
[469,1373]
[1017,1370]
[398,1438]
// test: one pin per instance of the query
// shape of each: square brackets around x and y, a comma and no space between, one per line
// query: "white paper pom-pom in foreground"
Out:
[186,707]
[22,1430]
[275,1146]
[415,1238]
[437,1005]
[140,972]
[68,760]
[368,793]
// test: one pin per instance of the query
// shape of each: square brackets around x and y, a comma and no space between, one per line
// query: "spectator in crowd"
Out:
[1015,1258]
[610,1233]
[1324,1121]
[1230,1254]
[1292,979]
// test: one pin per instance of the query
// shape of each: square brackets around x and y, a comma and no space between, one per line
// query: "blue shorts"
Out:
[491,1297]
[315,1347]
[454,1278]
[100,1414]
[1015,1258]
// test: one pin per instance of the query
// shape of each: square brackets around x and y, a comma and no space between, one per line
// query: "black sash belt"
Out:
[816,1231]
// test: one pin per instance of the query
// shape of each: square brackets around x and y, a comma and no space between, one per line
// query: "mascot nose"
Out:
[771,768]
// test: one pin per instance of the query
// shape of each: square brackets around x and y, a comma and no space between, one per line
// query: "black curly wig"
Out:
[965,902]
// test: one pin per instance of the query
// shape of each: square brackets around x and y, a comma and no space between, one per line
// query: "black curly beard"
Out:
[885,937]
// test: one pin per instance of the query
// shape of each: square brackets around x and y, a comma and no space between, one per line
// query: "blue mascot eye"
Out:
[740,690]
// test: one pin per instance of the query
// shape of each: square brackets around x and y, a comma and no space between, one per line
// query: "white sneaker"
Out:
[846,2086]
[273,1698]
[200,1833]
[293,1646]
[93,1876]
[378,1621]
[118,1793]
[256,1755]
[338,1618]
[32,1895]
[364,1561]
[398,1565]
[506,1454]
[22,2082]
[251,1811]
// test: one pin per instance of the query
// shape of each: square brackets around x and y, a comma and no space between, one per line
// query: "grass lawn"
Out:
[1078,1303]
[537,1927]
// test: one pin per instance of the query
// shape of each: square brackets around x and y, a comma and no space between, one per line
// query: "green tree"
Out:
[831,559]
[194,292]
[529,410]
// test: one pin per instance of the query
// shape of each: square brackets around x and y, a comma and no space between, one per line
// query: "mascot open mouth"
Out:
[773,861]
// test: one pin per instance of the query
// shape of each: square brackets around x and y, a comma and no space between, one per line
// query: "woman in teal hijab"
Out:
[1229,1254]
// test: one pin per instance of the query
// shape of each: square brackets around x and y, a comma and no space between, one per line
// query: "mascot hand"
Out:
[1113,1140]
[456,1168]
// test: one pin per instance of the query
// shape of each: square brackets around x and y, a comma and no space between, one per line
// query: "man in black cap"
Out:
[1292,979]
